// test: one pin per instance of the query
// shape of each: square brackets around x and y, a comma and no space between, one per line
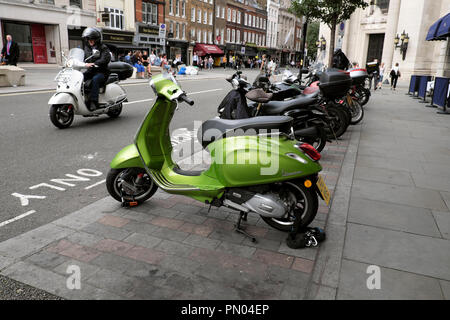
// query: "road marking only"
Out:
[4,223]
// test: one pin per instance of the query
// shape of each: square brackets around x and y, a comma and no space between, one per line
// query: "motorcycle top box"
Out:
[122,69]
[335,83]
[358,76]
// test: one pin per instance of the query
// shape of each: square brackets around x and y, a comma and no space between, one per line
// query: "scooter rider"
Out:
[97,67]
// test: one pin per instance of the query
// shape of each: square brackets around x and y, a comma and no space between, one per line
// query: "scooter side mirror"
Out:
[95,53]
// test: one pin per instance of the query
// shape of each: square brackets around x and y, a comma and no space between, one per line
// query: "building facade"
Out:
[149,15]
[116,19]
[220,22]
[286,32]
[45,28]
[177,22]
[370,34]
[273,7]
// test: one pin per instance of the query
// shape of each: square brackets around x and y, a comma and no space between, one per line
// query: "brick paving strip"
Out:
[173,247]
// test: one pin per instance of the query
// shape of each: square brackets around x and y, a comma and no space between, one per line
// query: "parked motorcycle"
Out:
[238,178]
[234,106]
[72,92]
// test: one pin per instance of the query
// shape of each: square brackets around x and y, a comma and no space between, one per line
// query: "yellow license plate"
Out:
[323,190]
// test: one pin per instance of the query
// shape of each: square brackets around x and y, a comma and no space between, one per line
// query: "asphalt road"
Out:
[33,152]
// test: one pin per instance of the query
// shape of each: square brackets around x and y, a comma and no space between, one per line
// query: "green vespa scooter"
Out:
[269,174]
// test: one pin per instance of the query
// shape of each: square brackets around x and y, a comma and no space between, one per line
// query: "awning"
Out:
[204,49]
[440,30]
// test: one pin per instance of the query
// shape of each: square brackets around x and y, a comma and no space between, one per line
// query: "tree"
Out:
[330,12]
[311,38]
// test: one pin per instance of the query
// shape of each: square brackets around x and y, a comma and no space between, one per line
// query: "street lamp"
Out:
[404,38]
[323,43]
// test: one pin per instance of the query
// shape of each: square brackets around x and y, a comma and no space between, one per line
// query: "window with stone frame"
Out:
[116,18]
[205,17]
[177,7]
[171,7]
[150,13]
[183,8]
[193,14]
[199,16]
[75,3]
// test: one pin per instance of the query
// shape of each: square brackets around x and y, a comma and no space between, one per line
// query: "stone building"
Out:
[273,6]
[149,15]
[286,32]
[45,28]
[177,19]
[371,34]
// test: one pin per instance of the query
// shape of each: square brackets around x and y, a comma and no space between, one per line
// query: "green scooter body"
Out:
[235,161]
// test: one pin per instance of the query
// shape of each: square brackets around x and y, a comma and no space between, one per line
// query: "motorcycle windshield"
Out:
[287,74]
[76,54]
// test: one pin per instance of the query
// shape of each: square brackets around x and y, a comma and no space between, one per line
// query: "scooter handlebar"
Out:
[184,98]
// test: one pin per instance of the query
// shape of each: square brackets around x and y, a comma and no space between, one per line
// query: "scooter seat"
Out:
[258,95]
[279,107]
[215,129]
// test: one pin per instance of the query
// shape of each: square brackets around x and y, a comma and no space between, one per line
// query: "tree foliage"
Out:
[330,12]
[311,38]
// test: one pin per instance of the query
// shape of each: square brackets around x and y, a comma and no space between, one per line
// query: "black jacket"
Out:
[234,102]
[14,52]
[104,59]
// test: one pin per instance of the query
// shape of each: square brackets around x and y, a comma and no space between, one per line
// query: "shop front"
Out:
[177,48]
[31,38]
[148,36]
[120,42]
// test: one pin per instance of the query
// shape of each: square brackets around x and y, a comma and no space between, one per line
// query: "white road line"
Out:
[95,184]
[192,93]
[17,218]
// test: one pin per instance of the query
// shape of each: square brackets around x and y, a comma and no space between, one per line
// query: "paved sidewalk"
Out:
[41,78]
[391,207]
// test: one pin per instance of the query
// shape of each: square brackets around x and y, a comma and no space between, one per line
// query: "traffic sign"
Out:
[162,30]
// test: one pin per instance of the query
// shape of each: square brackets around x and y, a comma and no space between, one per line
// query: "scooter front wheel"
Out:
[61,115]
[115,112]
[132,184]
[306,204]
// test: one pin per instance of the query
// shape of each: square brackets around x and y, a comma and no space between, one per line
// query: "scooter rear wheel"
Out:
[144,189]
[306,206]
[61,115]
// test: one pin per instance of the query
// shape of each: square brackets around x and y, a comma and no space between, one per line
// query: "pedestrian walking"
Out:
[10,52]
[211,62]
[395,74]
[195,59]
[146,63]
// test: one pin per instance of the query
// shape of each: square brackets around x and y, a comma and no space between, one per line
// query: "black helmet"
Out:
[92,34]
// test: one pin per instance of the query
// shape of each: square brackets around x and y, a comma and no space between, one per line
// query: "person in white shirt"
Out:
[152,58]
[195,59]
[395,74]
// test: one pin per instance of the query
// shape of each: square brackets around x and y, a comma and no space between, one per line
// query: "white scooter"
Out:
[72,92]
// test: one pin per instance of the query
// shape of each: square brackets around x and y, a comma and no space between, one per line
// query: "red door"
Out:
[39,44]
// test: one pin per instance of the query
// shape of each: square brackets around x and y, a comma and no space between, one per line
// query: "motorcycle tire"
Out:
[61,115]
[358,114]
[306,196]
[115,112]
[363,95]
[114,189]
[339,122]
[318,142]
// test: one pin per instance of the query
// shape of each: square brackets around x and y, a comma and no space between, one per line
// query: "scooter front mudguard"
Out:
[63,98]
[128,157]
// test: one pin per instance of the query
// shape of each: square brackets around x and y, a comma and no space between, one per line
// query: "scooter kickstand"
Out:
[239,229]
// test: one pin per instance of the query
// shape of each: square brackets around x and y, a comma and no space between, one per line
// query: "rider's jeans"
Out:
[98,79]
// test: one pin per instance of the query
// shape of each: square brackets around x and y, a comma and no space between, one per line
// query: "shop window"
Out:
[75,3]
[149,13]
[116,18]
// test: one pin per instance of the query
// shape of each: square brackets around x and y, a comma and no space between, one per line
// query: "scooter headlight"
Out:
[70,63]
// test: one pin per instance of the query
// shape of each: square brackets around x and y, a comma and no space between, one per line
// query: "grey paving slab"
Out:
[33,240]
[54,283]
[5,262]
[416,197]
[445,286]
[235,249]
[446,197]
[396,177]
[392,216]
[409,164]
[86,269]
[123,265]
[143,240]
[374,150]
[112,281]
[45,259]
[398,250]
[395,285]
[201,242]
[84,238]
[432,181]
[318,292]
[106,231]
[174,248]
[443,223]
